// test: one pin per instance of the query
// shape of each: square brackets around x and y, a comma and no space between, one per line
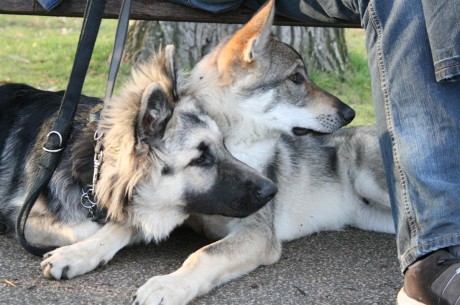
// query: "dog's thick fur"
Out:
[258,91]
[161,162]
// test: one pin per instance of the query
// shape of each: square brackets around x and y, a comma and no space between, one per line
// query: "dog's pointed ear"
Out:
[260,26]
[250,40]
[155,112]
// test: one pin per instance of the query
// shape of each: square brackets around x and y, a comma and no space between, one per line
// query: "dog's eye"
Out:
[200,160]
[203,160]
[297,78]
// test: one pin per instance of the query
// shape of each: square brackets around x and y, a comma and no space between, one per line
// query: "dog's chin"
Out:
[299,131]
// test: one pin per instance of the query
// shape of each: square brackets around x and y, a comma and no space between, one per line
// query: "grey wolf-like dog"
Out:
[160,163]
[258,91]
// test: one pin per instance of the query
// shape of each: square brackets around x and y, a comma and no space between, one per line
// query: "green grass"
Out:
[39,51]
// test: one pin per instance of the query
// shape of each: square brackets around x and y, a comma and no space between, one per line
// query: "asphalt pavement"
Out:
[345,267]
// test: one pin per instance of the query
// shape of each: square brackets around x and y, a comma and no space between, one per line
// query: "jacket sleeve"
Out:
[443,28]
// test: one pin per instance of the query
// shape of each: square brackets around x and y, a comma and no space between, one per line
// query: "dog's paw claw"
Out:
[67,262]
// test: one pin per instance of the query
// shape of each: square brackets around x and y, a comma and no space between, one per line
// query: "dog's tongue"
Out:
[299,131]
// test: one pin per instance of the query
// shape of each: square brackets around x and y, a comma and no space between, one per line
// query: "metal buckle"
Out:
[60,142]
[88,202]
[87,199]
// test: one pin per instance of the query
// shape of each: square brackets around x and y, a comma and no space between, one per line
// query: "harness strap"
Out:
[56,139]
[120,37]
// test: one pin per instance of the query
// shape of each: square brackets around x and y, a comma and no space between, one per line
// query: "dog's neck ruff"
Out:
[87,198]
[233,122]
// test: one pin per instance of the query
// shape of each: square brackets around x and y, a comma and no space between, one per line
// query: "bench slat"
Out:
[148,10]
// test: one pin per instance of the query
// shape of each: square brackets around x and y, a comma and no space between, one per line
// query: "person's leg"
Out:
[419,123]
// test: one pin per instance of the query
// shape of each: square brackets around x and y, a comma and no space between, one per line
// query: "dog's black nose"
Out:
[267,191]
[347,113]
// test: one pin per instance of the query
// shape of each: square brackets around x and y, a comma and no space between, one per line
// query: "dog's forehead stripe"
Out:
[192,129]
[192,119]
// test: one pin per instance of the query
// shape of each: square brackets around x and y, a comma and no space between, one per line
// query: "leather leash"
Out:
[55,141]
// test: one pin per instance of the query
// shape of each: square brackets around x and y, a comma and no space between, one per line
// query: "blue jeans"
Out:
[418,115]
[414,60]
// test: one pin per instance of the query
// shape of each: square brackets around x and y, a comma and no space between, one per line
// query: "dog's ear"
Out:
[155,112]
[259,31]
[250,40]
[171,70]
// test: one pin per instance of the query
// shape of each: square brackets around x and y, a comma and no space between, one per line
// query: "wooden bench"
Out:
[149,10]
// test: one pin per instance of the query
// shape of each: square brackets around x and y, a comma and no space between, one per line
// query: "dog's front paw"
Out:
[164,290]
[68,262]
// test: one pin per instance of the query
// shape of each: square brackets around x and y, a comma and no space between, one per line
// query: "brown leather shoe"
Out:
[432,280]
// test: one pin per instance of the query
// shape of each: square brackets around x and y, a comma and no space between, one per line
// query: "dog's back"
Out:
[13,98]
[20,119]
[25,117]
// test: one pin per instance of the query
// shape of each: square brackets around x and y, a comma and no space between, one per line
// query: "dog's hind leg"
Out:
[246,248]
[45,230]
[373,210]
[86,255]
[374,218]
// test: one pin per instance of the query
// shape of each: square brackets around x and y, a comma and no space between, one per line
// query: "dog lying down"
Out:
[258,91]
[162,160]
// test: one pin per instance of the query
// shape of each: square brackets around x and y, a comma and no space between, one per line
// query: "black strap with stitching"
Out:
[56,139]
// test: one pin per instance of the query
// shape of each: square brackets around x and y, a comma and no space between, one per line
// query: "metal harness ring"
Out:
[60,142]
